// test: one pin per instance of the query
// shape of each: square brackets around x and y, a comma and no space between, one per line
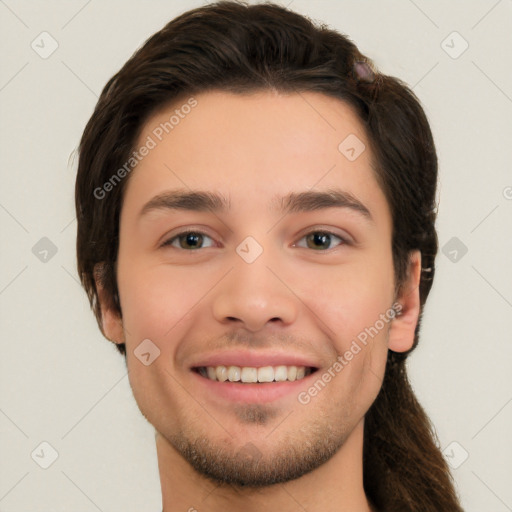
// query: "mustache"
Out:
[245,339]
[279,341]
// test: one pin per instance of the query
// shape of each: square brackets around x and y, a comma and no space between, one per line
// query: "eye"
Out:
[188,240]
[320,240]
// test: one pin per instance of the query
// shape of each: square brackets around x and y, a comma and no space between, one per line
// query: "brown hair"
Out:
[242,48]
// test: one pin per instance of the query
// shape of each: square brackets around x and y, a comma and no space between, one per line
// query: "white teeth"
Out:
[222,373]
[292,373]
[265,374]
[251,374]
[233,373]
[280,373]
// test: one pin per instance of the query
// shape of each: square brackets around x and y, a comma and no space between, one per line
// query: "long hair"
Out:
[240,48]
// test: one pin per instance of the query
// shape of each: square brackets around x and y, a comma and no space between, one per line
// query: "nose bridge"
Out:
[252,293]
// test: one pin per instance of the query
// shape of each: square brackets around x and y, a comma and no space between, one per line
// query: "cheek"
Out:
[348,299]
[155,305]
[352,303]
[155,299]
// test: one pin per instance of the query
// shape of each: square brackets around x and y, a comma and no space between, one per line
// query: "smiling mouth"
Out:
[251,374]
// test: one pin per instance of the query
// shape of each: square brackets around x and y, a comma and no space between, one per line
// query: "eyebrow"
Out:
[294,202]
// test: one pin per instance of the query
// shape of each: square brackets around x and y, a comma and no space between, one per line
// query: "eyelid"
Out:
[342,234]
[344,240]
[171,237]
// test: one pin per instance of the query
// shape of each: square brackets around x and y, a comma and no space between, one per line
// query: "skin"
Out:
[293,297]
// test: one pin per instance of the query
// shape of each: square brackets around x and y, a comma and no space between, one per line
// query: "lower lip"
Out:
[254,392]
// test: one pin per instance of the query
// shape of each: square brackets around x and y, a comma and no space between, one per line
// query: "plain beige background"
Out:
[63,384]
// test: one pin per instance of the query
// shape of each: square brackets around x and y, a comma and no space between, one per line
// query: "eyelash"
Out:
[168,243]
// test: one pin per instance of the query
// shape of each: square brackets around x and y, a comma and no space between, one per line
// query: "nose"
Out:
[254,295]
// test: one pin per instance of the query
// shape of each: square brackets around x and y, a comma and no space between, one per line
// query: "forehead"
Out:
[251,148]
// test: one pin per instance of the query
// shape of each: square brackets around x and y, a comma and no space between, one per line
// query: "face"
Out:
[280,269]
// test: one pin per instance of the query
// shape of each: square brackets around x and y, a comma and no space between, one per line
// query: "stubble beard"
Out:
[251,465]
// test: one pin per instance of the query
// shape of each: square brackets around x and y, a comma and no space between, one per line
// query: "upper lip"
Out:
[254,358]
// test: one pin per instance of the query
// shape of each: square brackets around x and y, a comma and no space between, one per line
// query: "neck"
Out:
[337,485]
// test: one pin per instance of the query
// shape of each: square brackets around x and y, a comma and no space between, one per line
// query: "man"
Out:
[256,209]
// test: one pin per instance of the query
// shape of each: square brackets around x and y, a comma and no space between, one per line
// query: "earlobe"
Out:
[403,326]
[112,325]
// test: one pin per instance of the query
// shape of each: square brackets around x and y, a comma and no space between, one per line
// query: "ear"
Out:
[403,326]
[111,323]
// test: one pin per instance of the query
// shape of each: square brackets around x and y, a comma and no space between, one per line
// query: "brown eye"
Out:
[189,240]
[321,240]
